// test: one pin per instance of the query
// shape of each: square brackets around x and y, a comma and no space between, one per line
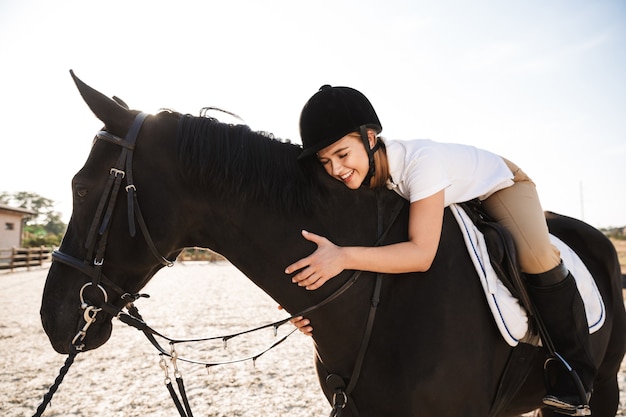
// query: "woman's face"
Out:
[346,160]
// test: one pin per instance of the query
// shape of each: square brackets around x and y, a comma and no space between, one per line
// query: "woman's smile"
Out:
[347,176]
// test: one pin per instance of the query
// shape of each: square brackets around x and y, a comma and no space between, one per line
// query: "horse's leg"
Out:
[605,398]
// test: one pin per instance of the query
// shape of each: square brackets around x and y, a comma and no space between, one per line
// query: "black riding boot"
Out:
[561,309]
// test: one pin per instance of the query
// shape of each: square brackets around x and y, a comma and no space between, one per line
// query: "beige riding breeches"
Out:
[517,208]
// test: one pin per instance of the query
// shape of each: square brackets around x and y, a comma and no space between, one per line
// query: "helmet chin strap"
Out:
[370,153]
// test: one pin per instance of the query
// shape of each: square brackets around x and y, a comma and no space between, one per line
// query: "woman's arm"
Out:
[414,255]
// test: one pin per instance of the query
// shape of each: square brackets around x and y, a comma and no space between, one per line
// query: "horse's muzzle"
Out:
[62,316]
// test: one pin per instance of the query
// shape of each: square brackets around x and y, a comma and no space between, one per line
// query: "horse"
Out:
[433,348]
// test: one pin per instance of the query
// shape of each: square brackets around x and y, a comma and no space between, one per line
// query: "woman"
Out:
[340,128]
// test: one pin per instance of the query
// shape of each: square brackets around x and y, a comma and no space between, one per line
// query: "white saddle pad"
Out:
[510,317]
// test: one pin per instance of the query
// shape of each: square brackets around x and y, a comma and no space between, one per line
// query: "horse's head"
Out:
[108,253]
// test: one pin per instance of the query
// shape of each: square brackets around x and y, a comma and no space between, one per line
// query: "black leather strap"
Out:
[549,278]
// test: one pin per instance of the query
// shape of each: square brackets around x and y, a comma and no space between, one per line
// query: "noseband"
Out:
[98,233]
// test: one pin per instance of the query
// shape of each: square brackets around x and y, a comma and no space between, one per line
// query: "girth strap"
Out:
[356,372]
[341,393]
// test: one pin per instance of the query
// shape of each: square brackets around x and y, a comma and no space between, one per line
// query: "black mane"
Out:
[235,160]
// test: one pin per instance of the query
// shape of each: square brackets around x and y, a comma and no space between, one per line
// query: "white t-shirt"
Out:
[420,168]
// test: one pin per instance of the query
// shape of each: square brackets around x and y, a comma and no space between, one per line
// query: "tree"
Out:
[45,227]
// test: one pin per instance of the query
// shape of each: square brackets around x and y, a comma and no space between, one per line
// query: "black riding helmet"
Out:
[332,113]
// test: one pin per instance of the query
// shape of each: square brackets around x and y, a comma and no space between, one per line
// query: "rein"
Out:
[94,261]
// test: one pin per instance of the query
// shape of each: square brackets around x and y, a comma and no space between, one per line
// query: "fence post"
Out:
[15,258]
[12,263]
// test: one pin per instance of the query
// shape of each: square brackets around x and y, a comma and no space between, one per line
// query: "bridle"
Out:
[97,238]
[96,244]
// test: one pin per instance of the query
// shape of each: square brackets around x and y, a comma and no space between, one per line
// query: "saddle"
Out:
[492,250]
[503,259]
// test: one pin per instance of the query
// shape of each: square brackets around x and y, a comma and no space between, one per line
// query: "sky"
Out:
[541,82]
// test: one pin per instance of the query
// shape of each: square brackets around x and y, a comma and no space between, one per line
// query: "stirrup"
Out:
[559,406]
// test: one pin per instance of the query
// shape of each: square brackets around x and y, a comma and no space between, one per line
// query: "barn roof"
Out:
[16,209]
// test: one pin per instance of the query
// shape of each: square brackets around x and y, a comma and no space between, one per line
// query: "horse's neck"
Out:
[262,242]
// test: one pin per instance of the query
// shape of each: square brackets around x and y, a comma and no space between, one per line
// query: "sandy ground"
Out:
[123,378]
[620,246]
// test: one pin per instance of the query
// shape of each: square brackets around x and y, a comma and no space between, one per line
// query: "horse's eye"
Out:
[81,192]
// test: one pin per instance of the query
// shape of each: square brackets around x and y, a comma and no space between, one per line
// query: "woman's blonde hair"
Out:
[381,174]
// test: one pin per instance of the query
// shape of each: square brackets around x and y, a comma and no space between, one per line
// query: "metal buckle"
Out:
[340,401]
[115,172]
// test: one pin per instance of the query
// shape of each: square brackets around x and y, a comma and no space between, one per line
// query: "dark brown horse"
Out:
[434,349]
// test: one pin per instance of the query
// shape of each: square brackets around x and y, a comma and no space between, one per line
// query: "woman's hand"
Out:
[301,323]
[323,264]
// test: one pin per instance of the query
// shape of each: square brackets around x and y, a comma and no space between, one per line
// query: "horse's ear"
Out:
[116,117]
[120,102]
